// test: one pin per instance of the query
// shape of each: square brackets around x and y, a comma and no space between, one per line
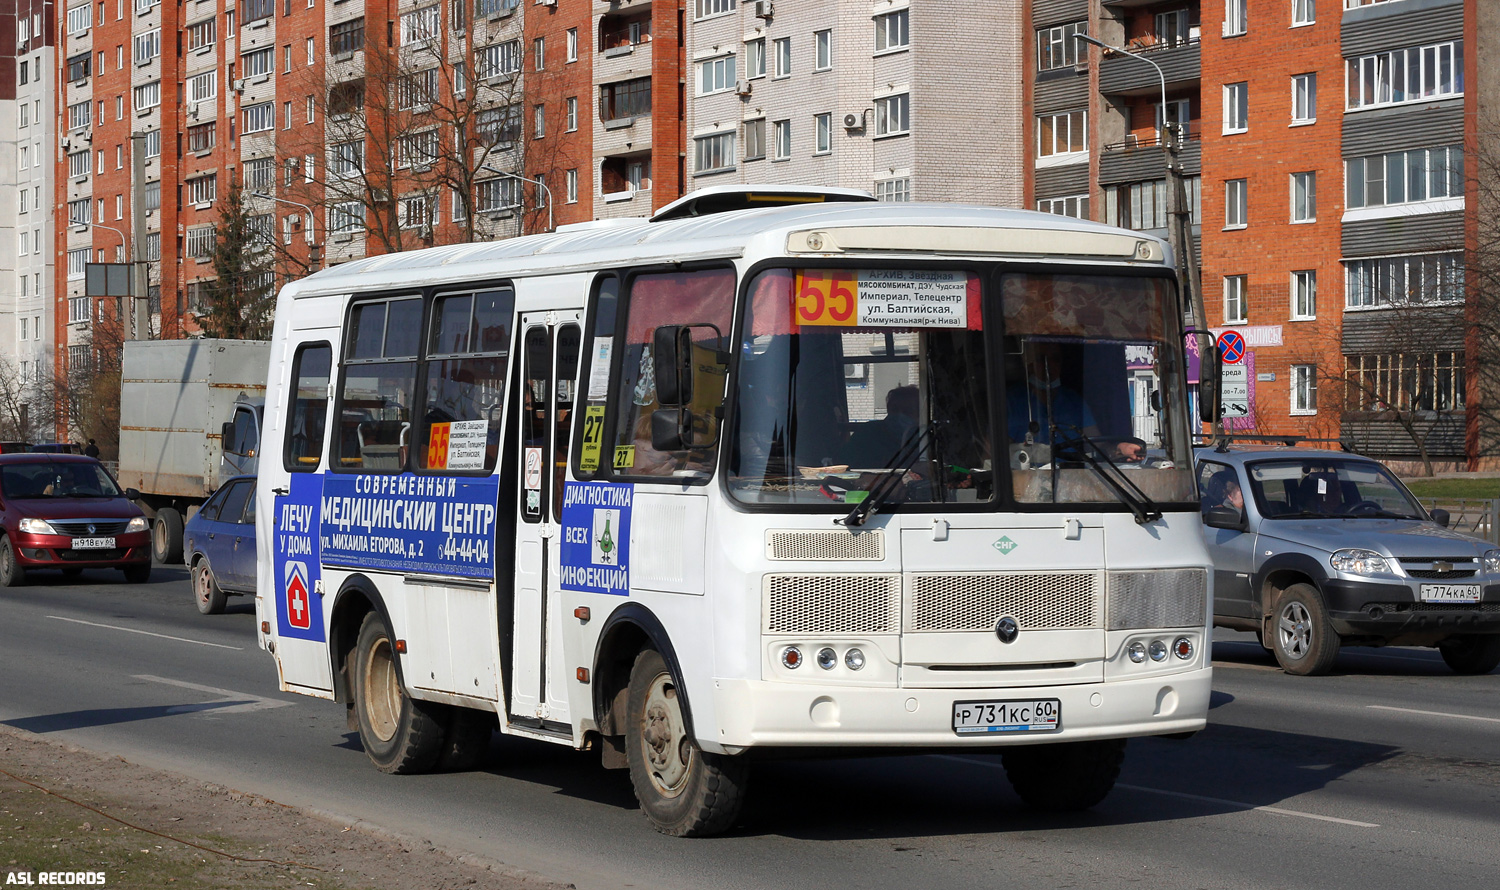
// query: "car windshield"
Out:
[1325,487]
[850,376]
[59,479]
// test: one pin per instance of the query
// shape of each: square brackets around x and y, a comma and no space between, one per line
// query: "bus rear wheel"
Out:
[684,790]
[399,733]
[1064,777]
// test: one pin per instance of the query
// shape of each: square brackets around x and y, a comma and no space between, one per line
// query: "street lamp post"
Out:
[537,183]
[1179,222]
[307,233]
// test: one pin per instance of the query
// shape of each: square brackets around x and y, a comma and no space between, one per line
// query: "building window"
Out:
[200,242]
[1304,389]
[346,216]
[489,8]
[78,310]
[1143,205]
[892,31]
[496,195]
[702,9]
[259,118]
[1235,204]
[200,137]
[1236,107]
[713,154]
[203,190]
[346,37]
[153,195]
[1303,13]
[626,99]
[1404,280]
[78,115]
[571,182]
[202,87]
[783,48]
[1076,206]
[822,50]
[255,10]
[260,174]
[893,115]
[1236,21]
[420,25]
[147,46]
[572,44]
[418,149]
[571,112]
[78,212]
[148,95]
[347,158]
[539,53]
[78,19]
[78,67]
[1304,295]
[499,60]
[1304,197]
[1062,133]
[1304,98]
[755,57]
[258,62]
[1234,299]
[1432,381]
[538,121]
[415,213]
[782,144]
[755,139]
[823,133]
[418,90]
[716,75]
[153,143]
[495,126]
[1056,46]
[1406,75]
[898,189]
[1405,177]
[153,253]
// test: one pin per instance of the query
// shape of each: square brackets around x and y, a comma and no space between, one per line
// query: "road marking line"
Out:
[259,703]
[1200,798]
[1433,713]
[146,633]
[1245,667]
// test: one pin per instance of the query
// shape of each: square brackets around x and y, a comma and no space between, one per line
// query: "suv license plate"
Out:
[93,543]
[1450,593]
[1026,715]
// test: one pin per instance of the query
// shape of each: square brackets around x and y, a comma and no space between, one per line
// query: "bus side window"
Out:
[566,392]
[379,385]
[467,351]
[588,459]
[703,301]
[308,407]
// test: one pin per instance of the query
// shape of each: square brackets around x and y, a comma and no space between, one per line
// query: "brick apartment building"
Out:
[352,128]
[27,146]
[1323,150]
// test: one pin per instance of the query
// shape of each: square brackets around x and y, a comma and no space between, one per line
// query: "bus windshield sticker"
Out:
[882,298]
[437,446]
[595,554]
[624,457]
[467,440]
[593,438]
[599,368]
[439,525]
[295,559]
[533,469]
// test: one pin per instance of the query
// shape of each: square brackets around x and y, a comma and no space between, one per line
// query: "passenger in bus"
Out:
[878,443]
[1035,393]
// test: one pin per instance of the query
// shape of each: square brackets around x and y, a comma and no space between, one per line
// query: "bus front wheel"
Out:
[684,790]
[1064,777]
[398,732]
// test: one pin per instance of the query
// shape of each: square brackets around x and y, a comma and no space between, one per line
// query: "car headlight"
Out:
[137,524]
[37,527]
[1360,562]
[1492,562]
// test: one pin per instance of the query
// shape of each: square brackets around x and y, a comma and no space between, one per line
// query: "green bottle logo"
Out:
[606,542]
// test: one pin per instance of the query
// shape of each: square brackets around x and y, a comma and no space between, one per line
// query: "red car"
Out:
[64,511]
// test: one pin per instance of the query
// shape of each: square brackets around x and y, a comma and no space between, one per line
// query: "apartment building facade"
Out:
[1322,149]
[909,99]
[27,147]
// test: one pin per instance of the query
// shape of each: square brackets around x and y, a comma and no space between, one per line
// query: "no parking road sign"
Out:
[1231,347]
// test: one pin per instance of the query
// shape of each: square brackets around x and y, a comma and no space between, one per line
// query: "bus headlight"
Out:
[854,659]
[1136,651]
[1158,650]
[827,659]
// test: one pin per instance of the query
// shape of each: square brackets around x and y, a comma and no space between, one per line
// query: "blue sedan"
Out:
[219,545]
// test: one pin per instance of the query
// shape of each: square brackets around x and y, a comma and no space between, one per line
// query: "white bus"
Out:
[777,469]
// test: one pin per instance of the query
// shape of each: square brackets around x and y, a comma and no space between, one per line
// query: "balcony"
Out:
[1140,159]
[1181,65]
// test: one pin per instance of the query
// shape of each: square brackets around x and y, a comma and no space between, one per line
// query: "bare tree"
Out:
[1482,305]
[26,405]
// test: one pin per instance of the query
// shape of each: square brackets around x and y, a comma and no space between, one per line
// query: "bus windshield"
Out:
[848,376]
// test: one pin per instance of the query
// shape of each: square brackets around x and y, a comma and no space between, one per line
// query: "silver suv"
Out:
[1316,548]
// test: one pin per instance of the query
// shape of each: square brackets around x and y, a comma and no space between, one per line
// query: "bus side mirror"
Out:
[666,429]
[1210,371]
[672,349]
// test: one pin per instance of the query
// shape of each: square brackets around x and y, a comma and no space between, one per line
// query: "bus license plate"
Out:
[93,543]
[1450,593]
[1027,715]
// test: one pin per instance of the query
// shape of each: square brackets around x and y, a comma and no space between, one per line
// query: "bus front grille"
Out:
[976,601]
[817,545]
[832,604]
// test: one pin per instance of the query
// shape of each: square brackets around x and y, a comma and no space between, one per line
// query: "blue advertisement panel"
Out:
[294,561]
[595,552]
[439,525]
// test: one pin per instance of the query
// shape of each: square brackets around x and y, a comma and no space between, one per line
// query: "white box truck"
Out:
[190,417]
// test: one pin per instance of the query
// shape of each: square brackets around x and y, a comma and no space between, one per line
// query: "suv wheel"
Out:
[1301,635]
[1471,653]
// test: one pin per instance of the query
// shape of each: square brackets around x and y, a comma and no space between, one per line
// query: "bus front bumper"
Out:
[755,713]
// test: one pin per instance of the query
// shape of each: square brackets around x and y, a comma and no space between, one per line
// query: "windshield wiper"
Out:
[1304,514]
[881,491]
[1125,491]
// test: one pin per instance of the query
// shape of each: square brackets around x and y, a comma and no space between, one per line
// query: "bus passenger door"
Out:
[549,365]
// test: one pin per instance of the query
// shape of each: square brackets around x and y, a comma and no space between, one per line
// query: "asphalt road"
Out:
[1386,772]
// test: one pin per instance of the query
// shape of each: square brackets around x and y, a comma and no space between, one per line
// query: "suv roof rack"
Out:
[1292,440]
